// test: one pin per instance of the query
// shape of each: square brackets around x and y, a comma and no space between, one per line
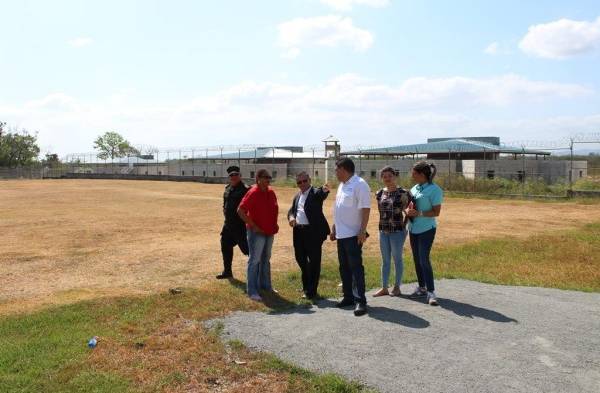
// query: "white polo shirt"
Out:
[351,197]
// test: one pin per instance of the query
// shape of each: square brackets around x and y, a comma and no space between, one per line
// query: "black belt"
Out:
[301,226]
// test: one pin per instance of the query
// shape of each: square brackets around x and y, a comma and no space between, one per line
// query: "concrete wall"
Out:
[547,170]
[185,169]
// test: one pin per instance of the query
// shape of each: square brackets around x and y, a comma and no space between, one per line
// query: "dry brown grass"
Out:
[67,240]
[169,350]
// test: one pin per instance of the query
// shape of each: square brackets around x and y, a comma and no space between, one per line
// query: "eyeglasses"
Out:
[302,181]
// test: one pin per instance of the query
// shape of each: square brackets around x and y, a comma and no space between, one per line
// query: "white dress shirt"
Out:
[301,218]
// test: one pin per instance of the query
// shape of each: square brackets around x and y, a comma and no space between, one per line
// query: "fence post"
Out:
[273,161]
[484,164]
[523,169]
[221,174]
[449,174]
[359,161]
[313,163]
[571,167]
[179,166]
[193,164]
[255,155]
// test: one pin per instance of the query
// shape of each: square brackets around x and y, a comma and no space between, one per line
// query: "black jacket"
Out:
[231,200]
[313,207]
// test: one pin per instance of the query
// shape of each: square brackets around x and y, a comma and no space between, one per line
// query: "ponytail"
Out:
[433,172]
[429,170]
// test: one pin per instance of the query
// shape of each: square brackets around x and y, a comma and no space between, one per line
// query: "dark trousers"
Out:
[308,249]
[231,237]
[421,244]
[352,269]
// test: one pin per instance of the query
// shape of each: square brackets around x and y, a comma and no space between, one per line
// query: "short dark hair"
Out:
[427,169]
[302,174]
[390,170]
[346,164]
[262,173]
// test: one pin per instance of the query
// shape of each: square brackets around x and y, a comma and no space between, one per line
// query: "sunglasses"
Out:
[265,177]
[233,174]
[302,181]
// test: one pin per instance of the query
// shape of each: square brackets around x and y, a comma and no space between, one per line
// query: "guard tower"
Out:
[332,147]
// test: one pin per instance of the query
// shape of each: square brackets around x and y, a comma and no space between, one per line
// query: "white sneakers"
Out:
[422,292]
[256,298]
[432,299]
[418,292]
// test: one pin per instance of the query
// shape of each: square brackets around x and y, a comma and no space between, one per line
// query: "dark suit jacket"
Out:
[313,207]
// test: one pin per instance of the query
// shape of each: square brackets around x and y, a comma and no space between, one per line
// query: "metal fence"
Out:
[519,173]
[594,171]
[30,172]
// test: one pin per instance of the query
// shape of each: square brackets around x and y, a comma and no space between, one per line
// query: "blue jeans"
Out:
[352,270]
[259,263]
[421,244]
[391,245]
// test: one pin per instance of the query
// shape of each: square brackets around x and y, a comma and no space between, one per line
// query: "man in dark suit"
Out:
[310,231]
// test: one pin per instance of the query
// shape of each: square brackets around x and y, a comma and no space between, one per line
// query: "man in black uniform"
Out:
[234,229]
[310,231]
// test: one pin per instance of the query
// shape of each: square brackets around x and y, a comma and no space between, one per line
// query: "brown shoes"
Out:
[381,292]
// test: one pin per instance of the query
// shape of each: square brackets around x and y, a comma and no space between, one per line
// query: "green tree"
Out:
[51,161]
[17,148]
[112,145]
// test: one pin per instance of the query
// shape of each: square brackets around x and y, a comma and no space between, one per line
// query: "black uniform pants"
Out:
[231,237]
[307,249]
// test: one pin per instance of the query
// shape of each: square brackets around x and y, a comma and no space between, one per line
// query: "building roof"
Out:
[266,153]
[446,146]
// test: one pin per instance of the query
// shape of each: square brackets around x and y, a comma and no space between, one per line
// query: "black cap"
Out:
[233,169]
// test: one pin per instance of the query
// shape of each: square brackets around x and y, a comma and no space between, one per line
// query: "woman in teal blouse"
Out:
[428,198]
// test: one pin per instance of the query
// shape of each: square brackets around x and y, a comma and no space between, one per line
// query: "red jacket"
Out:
[262,208]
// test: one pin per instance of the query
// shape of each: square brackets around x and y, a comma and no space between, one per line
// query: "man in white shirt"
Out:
[310,231]
[351,216]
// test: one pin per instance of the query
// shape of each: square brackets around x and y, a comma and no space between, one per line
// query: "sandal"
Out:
[381,292]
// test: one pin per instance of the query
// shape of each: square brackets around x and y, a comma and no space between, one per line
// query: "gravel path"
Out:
[482,338]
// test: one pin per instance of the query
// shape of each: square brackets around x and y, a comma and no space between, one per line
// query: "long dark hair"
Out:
[427,169]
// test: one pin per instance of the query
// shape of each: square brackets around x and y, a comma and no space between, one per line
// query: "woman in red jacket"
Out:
[259,211]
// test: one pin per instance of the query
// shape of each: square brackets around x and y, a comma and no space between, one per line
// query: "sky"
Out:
[370,72]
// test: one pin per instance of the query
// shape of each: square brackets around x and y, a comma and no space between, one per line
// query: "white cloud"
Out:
[355,109]
[52,102]
[492,49]
[291,53]
[80,42]
[562,38]
[328,31]
[347,5]
[497,49]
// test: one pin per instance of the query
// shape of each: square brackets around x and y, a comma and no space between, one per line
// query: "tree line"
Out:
[19,148]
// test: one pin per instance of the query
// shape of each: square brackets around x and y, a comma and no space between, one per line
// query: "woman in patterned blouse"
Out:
[391,202]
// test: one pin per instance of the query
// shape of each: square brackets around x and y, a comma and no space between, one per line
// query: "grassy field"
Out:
[85,258]
[71,240]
